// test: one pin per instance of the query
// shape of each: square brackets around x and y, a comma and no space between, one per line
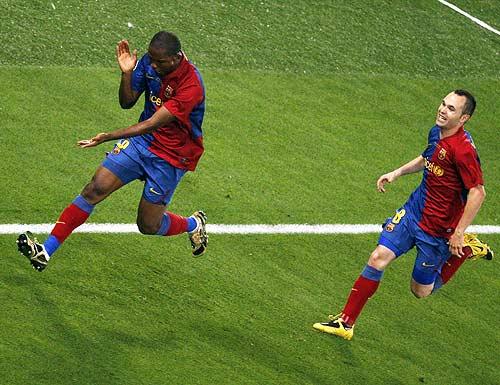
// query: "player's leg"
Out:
[432,252]
[103,183]
[473,249]
[115,171]
[160,184]
[363,289]
[395,240]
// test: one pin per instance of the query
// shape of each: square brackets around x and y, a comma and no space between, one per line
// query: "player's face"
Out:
[162,63]
[449,114]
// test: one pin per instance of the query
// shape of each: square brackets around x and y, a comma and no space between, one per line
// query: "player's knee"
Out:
[93,192]
[379,260]
[420,292]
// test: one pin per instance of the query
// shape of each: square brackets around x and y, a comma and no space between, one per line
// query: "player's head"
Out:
[165,52]
[455,109]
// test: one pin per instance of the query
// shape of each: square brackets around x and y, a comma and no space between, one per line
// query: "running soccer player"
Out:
[165,144]
[433,219]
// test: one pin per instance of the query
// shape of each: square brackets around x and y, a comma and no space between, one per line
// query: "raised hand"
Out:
[126,60]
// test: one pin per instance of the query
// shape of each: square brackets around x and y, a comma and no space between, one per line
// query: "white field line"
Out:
[474,19]
[45,228]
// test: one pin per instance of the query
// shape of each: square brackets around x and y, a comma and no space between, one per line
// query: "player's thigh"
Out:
[398,233]
[161,180]
[432,253]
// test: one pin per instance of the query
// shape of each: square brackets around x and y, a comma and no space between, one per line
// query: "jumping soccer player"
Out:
[433,219]
[159,149]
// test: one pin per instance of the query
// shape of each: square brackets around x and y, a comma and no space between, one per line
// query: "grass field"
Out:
[307,104]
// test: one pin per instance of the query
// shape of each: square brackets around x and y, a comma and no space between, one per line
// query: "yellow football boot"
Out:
[335,326]
[478,249]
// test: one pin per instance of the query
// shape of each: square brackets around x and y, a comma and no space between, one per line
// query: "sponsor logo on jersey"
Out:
[155,100]
[434,168]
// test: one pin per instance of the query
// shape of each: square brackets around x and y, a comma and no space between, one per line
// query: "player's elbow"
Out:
[126,105]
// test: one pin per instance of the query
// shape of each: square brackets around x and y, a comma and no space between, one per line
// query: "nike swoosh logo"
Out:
[153,191]
[62,223]
[426,265]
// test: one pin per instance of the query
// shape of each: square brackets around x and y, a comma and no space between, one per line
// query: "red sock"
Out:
[70,219]
[178,224]
[453,263]
[361,291]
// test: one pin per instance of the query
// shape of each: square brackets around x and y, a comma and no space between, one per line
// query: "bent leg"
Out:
[103,183]
[153,219]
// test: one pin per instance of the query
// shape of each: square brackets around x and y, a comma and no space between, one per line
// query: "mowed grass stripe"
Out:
[117,228]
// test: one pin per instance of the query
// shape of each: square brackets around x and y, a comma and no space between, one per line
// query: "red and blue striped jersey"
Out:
[182,92]
[452,168]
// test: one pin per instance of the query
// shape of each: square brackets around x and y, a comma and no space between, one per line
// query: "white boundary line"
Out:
[474,19]
[124,228]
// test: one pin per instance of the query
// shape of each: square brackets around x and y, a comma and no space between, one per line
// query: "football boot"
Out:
[478,249]
[199,237]
[336,326]
[29,246]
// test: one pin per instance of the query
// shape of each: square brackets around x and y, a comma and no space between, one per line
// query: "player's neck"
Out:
[446,132]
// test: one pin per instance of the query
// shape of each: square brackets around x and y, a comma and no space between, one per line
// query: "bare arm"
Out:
[475,199]
[127,61]
[159,119]
[411,167]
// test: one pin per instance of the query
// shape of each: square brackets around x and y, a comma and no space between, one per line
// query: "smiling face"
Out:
[450,113]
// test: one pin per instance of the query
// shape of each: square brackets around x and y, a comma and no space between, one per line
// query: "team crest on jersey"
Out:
[168,92]
[389,227]
[442,154]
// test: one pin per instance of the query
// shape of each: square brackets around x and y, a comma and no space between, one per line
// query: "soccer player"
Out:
[165,144]
[433,219]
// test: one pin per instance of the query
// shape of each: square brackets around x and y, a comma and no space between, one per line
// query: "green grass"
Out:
[307,104]
[241,315]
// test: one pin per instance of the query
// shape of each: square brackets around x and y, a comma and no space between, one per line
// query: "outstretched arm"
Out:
[475,199]
[159,119]
[127,61]
[411,167]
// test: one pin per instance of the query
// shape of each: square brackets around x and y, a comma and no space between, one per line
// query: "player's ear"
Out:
[464,118]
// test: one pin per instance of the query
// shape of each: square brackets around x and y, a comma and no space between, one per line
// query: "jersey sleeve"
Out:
[139,75]
[184,101]
[469,167]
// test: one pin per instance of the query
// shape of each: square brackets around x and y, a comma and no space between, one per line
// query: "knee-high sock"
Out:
[71,217]
[451,266]
[173,224]
[364,287]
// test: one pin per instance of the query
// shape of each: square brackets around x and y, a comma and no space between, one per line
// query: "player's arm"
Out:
[411,167]
[127,61]
[475,199]
[159,119]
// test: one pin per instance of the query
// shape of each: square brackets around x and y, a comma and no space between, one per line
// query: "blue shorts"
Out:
[401,233]
[130,161]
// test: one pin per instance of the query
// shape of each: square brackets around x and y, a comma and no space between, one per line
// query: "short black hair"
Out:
[470,102]
[166,41]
